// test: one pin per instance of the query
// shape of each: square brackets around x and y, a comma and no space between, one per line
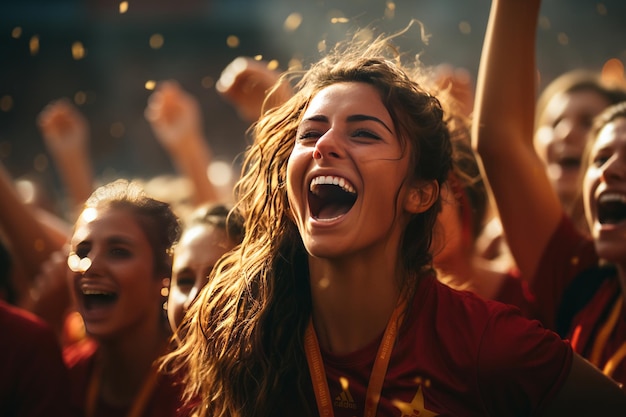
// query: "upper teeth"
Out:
[612,197]
[341,182]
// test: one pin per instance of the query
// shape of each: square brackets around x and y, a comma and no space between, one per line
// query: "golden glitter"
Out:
[80,98]
[601,9]
[258,57]
[232,41]
[6,103]
[339,20]
[33,45]
[292,22]
[272,65]
[345,384]
[562,38]
[156,41]
[123,7]
[150,85]
[40,163]
[117,130]
[78,50]
[465,27]
[16,33]
[390,10]
[165,291]
[207,82]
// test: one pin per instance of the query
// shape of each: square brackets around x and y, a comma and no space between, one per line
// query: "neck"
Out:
[127,361]
[352,302]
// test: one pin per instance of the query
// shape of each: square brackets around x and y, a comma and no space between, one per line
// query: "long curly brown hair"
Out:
[241,343]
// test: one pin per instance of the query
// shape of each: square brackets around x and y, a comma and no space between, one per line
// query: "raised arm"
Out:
[503,130]
[176,120]
[30,240]
[66,134]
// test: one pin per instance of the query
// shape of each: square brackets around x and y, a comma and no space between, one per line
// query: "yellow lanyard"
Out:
[602,339]
[139,404]
[377,377]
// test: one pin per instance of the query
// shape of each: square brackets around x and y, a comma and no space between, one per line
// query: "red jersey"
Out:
[456,355]
[580,298]
[33,378]
[164,401]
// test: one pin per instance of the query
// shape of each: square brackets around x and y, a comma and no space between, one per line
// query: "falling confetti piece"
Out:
[123,7]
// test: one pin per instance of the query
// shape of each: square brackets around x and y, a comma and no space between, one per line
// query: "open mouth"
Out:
[569,162]
[330,197]
[94,297]
[611,208]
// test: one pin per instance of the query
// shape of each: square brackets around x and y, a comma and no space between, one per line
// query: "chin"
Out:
[608,252]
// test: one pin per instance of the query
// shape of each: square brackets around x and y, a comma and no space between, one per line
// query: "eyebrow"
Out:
[353,118]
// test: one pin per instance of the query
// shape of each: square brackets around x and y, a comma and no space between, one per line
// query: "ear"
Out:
[421,196]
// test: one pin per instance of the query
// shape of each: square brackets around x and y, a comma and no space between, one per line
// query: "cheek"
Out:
[589,183]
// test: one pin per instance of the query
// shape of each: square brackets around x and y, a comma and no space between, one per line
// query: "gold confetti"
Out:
[232,41]
[292,22]
[16,33]
[562,38]
[258,57]
[544,23]
[78,50]
[390,10]
[34,45]
[156,41]
[6,103]
[150,85]
[339,20]
[123,7]
[601,9]
[272,65]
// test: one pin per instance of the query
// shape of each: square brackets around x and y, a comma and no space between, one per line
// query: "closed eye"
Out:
[362,133]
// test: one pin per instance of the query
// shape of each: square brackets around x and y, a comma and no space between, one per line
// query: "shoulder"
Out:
[15,320]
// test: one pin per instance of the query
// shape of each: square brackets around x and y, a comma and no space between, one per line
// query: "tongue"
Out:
[330,211]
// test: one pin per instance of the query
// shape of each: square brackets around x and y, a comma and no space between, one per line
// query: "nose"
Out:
[328,146]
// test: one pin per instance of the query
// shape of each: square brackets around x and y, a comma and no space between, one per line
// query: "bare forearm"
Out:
[506,84]
[193,161]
